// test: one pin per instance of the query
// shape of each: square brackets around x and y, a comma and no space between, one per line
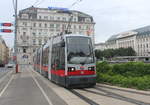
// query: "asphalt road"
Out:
[4,71]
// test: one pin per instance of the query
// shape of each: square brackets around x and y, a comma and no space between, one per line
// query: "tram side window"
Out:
[62,58]
[38,58]
[45,57]
[53,57]
[58,57]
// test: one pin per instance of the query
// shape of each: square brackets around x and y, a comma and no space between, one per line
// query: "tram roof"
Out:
[68,35]
[64,36]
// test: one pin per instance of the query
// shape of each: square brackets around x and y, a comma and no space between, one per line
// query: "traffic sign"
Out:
[6,30]
[6,24]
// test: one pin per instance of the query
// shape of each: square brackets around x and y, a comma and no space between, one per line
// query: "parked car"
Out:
[10,65]
[2,65]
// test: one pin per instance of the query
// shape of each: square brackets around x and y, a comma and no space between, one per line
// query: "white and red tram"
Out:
[67,60]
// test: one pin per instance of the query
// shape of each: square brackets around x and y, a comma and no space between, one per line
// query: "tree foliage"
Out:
[109,53]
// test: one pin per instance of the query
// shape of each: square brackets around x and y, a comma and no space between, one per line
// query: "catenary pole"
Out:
[15,41]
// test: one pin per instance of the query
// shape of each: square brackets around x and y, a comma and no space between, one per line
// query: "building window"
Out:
[87,27]
[79,26]
[33,33]
[46,17]
[40,42]
[75,27]
[34,24]
[63,26]
[64,19]
[45,40]
[87,20]
[51,18]
[24,33]
[57,25]
[24,23]
[34,42]
[40,17]
[75,20]
[51,25]
[25,29]
[58,18]
[40,24]
[33,50]
[24,50]
[45,25]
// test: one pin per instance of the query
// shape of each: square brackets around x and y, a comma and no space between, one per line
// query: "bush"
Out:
[132,69]
[103,67]
[131,75]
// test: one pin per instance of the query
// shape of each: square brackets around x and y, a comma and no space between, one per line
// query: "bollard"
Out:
[16,68]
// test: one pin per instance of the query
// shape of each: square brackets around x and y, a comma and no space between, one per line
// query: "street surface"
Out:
[30,88]
[3,71]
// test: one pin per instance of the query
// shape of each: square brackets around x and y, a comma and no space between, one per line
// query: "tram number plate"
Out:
[84,79]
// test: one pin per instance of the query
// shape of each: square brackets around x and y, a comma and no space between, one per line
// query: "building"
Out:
[11,54]
[36,25]
[138,39]
[101,46]
[4,52]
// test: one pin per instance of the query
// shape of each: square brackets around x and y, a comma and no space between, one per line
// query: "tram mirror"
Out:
[62,44]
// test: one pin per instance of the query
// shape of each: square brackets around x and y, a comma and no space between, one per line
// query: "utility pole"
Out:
[15,41]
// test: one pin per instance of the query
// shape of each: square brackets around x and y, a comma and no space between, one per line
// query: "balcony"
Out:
[23,44]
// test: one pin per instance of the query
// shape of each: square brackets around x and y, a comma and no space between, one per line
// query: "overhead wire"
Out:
[35,2]
[77,1]
[40,2]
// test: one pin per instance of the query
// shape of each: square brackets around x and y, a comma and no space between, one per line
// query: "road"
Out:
[4,71]
[30,88]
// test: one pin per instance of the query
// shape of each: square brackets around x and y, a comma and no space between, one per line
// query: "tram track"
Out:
[86,99]
[102,92]
[114,96]
[123,90]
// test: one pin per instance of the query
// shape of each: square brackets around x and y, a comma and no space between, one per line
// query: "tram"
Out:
[68,60]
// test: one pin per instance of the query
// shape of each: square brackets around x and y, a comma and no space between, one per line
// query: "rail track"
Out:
[109,92]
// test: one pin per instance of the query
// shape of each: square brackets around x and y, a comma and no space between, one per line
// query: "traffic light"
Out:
[6,24]
[6,30]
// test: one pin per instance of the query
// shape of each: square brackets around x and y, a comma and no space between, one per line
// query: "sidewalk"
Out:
[24,89]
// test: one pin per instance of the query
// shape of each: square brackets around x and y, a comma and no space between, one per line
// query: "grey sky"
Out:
[111,16]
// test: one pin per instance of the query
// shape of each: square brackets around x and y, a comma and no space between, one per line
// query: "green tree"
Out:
[109,53]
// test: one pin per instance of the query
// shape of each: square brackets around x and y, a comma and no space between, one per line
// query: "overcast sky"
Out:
[111,16]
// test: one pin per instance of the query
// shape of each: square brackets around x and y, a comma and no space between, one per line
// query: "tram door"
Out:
[53,62]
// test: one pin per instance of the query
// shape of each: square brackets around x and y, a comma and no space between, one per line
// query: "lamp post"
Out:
[15,41]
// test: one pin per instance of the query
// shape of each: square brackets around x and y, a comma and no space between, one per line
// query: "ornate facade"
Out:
[36,25]
[138,39]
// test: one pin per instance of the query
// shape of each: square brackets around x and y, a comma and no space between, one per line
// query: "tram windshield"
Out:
[79,50]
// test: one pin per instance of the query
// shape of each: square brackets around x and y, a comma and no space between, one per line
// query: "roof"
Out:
[54,9]
[143,31]
[113,37]
[140,31]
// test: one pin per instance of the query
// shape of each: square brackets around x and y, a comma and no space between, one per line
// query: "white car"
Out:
[10,65]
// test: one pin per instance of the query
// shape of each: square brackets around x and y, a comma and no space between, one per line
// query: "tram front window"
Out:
[80,50]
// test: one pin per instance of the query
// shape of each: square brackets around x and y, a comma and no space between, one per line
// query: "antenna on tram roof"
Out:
[67,31]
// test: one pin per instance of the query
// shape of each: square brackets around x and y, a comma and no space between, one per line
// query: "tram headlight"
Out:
[91,68]
[71,69]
